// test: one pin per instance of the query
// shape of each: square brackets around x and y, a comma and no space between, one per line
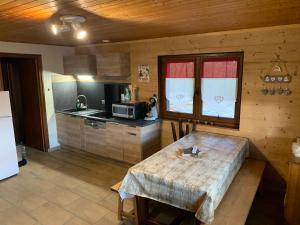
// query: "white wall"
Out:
[52,64]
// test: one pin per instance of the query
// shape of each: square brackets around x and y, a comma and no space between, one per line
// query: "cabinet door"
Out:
[69,130]
[114,141]
[132,146]
[80,65]
[292,197]
[95,140]
[113,64]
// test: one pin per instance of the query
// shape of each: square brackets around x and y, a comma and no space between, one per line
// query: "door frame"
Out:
[41,94]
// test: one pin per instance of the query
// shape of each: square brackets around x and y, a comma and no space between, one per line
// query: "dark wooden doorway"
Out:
[22,77]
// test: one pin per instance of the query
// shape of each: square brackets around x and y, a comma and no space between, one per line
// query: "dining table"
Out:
[192,183]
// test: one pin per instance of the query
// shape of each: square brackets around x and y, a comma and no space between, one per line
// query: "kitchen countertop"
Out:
[133,123]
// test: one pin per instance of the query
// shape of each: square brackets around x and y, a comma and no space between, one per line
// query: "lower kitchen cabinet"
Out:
[132,146]
[292,199]
[69,130]
[112,140]
[95,140]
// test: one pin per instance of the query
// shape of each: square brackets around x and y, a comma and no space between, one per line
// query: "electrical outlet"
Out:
[103,102]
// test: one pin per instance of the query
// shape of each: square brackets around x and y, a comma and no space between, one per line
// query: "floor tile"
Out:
[91,191]
[60,196]
[87,210]
[51,214]
[112,219]
[67,181]
[76,221]
[23,198]
[4,205]
[15,216]
[111,203]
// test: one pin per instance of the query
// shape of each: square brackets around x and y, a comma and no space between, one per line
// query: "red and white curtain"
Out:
[180,82]
[219,84]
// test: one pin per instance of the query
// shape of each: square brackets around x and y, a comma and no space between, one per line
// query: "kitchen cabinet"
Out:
[112,140]
[113,65]
[292,199]
[94,137]
[69,130]
[132,145]
[80,65]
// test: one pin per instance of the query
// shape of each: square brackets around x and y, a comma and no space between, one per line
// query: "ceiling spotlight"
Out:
[57,29]
[81,34]
[54,29]
[69,22]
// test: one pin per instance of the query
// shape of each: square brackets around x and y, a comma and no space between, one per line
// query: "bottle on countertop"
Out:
[127,96]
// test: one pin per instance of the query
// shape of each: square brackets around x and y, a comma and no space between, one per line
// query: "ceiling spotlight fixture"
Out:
[68,22]
[81,34]
[54,29]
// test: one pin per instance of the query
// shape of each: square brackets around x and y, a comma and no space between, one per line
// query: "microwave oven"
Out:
[131,110]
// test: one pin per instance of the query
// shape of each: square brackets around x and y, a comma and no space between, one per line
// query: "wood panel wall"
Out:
[270,122]
[1,79]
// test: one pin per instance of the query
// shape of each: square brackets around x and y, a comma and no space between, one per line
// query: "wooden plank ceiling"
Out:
[122,20]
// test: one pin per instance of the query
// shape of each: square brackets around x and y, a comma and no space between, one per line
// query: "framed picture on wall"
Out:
[143,73]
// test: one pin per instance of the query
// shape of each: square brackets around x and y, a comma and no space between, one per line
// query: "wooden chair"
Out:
[121,213]
[182,132]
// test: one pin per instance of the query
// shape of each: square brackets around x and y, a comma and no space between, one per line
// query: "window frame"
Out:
[198,60]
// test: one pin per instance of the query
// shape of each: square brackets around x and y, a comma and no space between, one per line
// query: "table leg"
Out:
[142,210]
[197,222]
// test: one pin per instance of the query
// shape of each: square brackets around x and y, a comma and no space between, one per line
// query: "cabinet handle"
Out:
[133,134]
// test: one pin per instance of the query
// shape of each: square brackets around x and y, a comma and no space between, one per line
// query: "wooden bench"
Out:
[236,204]
[121,213]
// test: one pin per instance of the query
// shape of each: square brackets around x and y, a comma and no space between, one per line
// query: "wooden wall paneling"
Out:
[270,122]
[1,79]
[21,20]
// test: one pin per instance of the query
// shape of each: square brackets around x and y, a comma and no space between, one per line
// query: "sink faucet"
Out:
[85,105]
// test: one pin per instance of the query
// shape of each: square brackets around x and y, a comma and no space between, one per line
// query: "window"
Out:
[206,87]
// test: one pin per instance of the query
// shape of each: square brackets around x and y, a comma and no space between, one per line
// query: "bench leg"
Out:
[120,209]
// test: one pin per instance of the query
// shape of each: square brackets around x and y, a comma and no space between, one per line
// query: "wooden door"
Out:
[22,77]
[12,83]
[34,115]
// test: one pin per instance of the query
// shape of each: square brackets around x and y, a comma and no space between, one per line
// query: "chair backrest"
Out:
[182,132]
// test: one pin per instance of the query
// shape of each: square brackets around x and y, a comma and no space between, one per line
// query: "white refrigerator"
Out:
[8,154]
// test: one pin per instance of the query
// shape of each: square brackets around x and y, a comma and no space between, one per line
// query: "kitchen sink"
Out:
[81,112]
[74,110]
[98,115]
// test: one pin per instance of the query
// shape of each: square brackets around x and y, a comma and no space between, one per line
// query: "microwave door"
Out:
[120,111]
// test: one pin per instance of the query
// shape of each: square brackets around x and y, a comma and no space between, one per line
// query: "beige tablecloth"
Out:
[183,181]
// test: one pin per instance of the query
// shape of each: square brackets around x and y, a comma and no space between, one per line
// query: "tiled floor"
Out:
[73,188]
[62,188]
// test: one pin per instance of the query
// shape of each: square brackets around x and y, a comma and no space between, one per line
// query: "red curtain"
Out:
[222,68]
[180,70]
